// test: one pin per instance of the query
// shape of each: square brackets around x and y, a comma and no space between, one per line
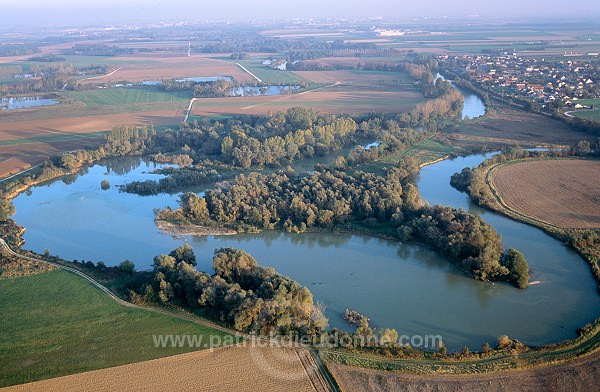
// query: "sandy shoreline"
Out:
[174,229]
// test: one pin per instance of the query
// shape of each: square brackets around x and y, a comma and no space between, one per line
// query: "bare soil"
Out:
[348,76]
[161,67]
[224,369]
[565,193]
[579,375]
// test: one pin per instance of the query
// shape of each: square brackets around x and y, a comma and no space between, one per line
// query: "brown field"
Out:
[51,49]
[350,77]
[323,100]
[565,193]
[223,369]
[26,143]
[343,61]
[505,125]
[167,67]
[579,375]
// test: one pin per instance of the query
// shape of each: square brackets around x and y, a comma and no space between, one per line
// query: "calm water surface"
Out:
[25,102]
[473,105]
[407,287]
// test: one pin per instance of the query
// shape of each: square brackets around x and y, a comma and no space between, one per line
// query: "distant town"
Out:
[551,84]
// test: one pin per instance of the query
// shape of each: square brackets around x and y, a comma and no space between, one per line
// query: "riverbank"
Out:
[502,359]
[113,241]
[577,375]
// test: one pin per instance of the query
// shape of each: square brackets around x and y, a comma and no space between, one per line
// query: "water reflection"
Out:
[402,286]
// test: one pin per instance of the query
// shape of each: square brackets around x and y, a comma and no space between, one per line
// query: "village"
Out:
[553,84]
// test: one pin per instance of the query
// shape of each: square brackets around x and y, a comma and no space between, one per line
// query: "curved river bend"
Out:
[407,287]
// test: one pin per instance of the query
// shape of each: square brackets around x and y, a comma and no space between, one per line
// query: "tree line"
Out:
[279,139]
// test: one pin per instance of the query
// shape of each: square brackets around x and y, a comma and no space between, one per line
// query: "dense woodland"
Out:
[240,294]
[329,199]
[249,142]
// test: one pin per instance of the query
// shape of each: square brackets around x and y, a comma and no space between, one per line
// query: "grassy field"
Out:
[426,151]
[61,138]
[126,96]
[505,125]
[589,101]
[56,324]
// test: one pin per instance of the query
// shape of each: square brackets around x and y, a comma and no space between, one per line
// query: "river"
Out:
[407,287]
[473,107]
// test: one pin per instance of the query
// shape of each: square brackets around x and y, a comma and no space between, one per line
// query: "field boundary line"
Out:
[312,370]
[250,73]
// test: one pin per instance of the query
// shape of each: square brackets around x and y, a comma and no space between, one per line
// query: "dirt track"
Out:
[579,375]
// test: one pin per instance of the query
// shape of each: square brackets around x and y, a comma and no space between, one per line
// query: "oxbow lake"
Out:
[407,287]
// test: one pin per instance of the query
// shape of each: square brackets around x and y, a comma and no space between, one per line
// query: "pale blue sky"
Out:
[77,12]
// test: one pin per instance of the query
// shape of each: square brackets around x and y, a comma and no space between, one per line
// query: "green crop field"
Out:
[56,323]
[269,75]
[589,114]
[126,96]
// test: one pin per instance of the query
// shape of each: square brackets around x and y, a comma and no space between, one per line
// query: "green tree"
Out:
[194,206]
[582,148]
[127,266]
[185,253]
[7,209]
[518,268]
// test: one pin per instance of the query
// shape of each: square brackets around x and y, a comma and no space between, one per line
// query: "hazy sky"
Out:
[83,12]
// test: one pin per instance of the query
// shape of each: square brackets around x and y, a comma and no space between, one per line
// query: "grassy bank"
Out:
[421,362]
[56,324]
